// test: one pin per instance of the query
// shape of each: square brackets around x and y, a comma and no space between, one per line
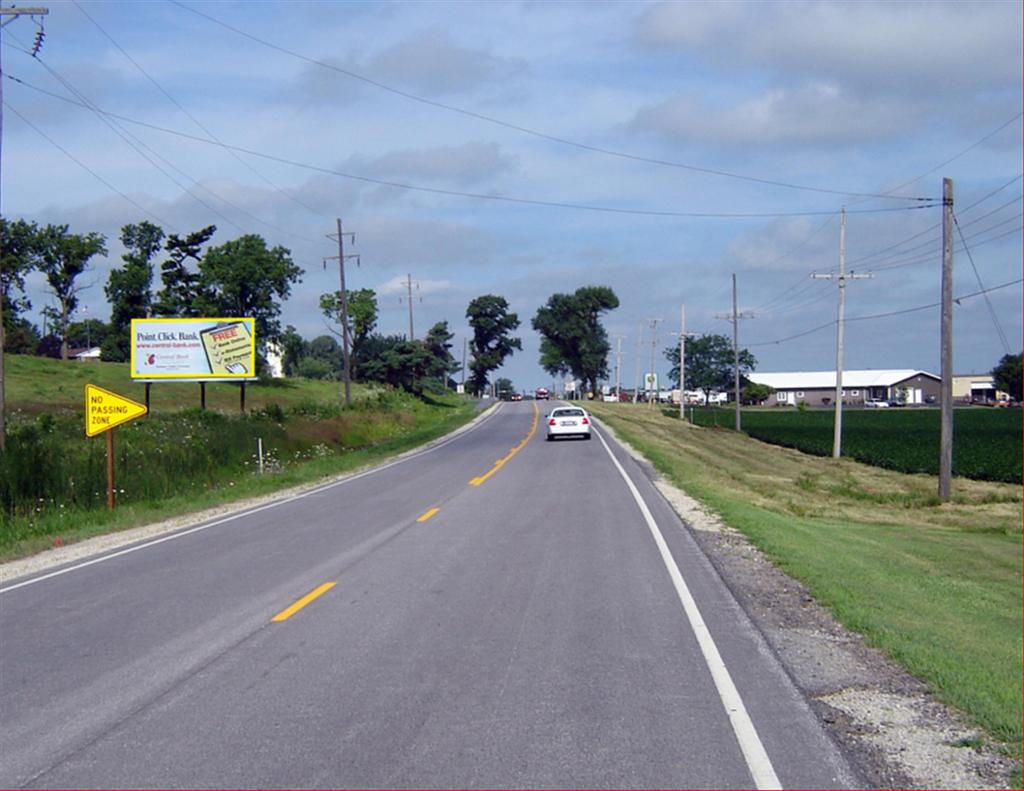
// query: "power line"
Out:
[195,120]
[902,312]
[533,132]
[473,195]
[977,275]
[87,169]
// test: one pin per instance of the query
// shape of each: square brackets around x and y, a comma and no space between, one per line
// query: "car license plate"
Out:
[568,422]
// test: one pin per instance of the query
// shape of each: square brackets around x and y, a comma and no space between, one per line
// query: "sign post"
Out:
[103,411]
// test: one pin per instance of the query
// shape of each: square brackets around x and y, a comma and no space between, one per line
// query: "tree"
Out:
[709,363]
[399,362]
[19,255]
[754,393]
[362,319]
[438,342]
[1007,375]
[503,387]
[65,256]
[293,350]
[492,324]
[88,333]
[180,294]
[129,287]
[573,339]
[243,278]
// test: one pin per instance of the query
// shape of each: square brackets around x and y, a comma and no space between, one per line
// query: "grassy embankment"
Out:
[936,586]
[180,459]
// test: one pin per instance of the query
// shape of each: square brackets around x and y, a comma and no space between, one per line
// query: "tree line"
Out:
[246,277]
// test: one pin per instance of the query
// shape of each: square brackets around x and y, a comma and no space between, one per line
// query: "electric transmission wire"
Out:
[901,312]
[199,124]
[464,194]
[977,275]
[533,132]
[162,222]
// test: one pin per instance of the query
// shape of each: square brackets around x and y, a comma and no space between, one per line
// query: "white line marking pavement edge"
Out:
[758,763]
[480,420]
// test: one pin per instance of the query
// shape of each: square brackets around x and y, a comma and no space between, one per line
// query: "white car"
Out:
[568,421]
[875,404]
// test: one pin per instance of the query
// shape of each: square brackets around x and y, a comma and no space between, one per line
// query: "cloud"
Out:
[902,47]
[432,62]
[461,165]
[429,62]
[399,286]
[817,113]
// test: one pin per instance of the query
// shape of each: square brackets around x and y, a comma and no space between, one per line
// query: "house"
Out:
[818,388]
[977,388]
[90,355]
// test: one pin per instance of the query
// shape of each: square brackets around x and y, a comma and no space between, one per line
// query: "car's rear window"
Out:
[568,413]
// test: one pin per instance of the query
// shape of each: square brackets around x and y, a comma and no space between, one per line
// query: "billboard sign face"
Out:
[223,348]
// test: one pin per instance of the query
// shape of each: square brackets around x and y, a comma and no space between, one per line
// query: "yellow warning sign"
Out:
[104,410]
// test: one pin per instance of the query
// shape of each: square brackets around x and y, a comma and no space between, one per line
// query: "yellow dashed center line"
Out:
[284,615]
[427,514]
[500,462]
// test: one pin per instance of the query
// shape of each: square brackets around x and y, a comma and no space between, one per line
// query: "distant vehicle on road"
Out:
[517,397]
[568,421]
[541,394]
[876,404]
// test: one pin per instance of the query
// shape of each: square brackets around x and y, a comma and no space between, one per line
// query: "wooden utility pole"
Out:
[654,343]
[408,286]
[946,391]
[735,317]
[343,316]
[636,380]
[12,13]
[618,367]
[682,362]
[837,428]
[464,344]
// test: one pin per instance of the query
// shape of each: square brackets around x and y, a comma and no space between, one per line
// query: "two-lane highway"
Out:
[496,611]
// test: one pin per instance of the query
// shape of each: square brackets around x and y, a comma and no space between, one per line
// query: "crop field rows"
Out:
[986,442]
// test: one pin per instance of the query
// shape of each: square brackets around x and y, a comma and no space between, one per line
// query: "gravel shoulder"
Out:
[894,734]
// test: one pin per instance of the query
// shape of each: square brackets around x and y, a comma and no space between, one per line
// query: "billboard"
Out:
[193,348]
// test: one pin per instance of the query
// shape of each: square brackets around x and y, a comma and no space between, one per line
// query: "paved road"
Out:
[541,627]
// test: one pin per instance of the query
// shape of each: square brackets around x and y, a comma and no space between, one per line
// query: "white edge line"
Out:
[758,763]
[240,514]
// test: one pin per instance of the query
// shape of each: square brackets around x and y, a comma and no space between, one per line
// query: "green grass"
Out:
[986,442]
[53,478]
[936,586]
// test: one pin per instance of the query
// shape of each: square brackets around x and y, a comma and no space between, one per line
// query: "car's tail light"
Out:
[586,422]
[552,422]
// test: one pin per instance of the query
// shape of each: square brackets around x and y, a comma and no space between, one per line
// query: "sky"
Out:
[530,148]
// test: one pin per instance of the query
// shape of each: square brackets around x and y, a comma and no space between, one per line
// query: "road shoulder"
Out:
[889,728]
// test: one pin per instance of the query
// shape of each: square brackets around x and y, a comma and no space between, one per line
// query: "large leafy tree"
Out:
[492,325]
[180,296]
[709,363]
[362,319]
[129,287]
[245,278]
[65,257]
[572,336]
[1007,375]
[19,255]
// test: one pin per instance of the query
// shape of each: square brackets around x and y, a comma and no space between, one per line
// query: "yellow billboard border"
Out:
[197,377]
